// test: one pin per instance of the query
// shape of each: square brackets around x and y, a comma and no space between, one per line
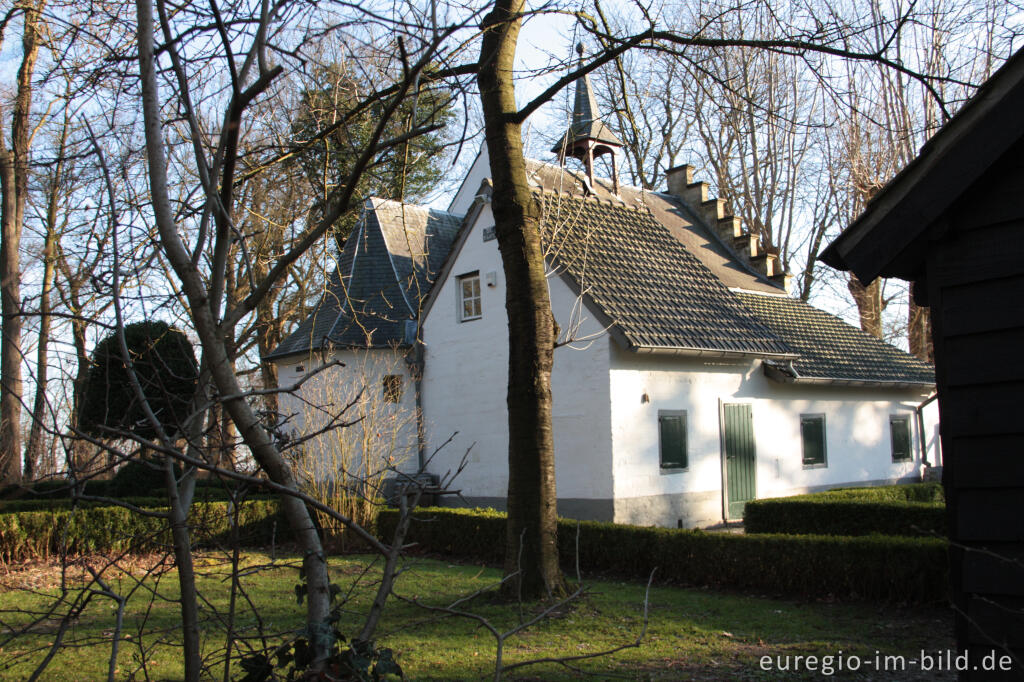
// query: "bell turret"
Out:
[587,138]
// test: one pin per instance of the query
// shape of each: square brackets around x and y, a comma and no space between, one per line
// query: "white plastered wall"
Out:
[381,434]
[858,441]
[466,375]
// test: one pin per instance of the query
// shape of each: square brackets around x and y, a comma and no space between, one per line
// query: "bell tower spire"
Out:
[588,137]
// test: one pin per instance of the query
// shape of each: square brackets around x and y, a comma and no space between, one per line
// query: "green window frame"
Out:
[672,440]
[813,441]
[902,443]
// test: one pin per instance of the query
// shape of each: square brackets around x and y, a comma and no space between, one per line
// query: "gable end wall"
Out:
[465,380]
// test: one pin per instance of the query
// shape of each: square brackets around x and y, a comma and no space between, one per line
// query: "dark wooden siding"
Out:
[975,280]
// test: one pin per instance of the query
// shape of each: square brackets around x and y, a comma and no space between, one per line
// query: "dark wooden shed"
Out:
[952,222]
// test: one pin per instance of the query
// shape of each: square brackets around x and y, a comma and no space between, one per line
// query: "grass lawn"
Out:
[692,633]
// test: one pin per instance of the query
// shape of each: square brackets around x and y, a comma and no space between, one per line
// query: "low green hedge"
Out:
[206,488]
[35,535]
[807,515]
[899,569]
[914,510]
[45,504]
[205,494]
[908,492]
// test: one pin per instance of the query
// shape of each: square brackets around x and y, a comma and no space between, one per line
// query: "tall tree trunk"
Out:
[268,336]
[314,562]
[869,304]
[34,447]
[78,449]
[532,546]
[14,186]
[919,331]
[10,328]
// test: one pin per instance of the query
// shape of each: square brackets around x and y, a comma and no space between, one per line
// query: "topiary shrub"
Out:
[141,477]
[914,510]
[165,364]
[906,492]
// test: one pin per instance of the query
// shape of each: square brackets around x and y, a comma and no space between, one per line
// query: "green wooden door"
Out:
[740,460]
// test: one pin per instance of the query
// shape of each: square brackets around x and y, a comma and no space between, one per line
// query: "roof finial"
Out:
[588,137]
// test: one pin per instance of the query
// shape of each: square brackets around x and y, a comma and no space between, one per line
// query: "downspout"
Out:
[919,411]
[414,359]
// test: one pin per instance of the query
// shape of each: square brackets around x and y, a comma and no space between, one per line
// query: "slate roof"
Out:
[383,275]
[655,292]
[829,348]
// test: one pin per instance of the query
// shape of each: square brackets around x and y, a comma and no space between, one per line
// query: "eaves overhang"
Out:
[328,348]
[689,351]
[786,376]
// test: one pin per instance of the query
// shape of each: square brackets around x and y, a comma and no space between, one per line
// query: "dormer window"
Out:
[469,297]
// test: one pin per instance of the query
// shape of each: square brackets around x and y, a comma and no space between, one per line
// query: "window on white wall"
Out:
[393,388]
[812,437]
[672,438]
[469,297]
[899,429]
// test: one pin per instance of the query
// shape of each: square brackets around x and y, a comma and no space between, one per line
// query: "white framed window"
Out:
[469,296]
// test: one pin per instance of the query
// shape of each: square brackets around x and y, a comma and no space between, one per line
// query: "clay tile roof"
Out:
[830,348]
[655,292]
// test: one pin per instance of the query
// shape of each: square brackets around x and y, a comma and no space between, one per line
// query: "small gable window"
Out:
[393,388]
[812,435]
[899,429]
[469,297]
[672,438]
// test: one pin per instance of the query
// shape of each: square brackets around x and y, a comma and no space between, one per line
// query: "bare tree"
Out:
[14,172]
[532,516]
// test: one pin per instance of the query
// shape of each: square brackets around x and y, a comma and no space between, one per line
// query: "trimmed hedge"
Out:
[206,488]
[914,510]
[36,504]
[907,492]
[35,535]
[898,569]
[149,501]
[824,516]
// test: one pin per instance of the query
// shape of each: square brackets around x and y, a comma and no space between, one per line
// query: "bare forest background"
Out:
[796,142]
[201,164]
